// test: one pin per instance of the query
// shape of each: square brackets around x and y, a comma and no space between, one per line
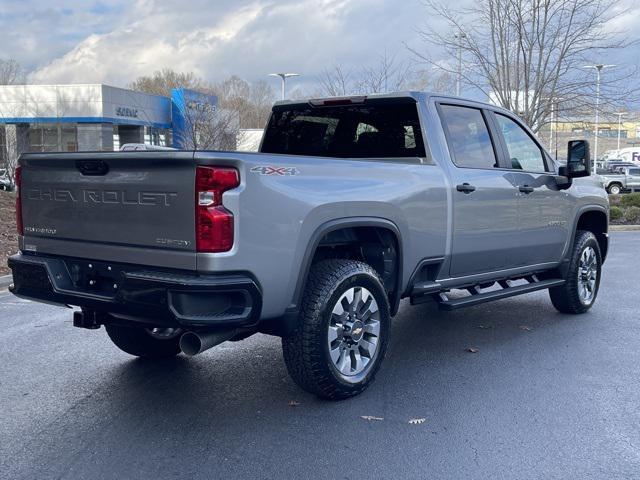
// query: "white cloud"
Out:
[248,38]
[115,41]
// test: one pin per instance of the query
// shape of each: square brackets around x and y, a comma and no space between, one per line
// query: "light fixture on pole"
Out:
[459,38]
[284,77]
[620,114]
[599,67]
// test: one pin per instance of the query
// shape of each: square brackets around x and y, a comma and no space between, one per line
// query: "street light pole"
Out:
[599,67]
[459,37]
[284,77]
[620,114]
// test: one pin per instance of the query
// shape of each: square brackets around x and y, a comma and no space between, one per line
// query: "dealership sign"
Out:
[127,112]
[201,107]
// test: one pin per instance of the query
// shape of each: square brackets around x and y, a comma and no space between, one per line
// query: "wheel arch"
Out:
[594,218]
[353,224]
[597,222]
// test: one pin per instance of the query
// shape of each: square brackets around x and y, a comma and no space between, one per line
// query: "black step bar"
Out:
[477,297]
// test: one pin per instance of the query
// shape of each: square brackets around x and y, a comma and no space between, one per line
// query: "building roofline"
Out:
[26,85]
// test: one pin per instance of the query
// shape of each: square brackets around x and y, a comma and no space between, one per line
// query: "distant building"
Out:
[92,117]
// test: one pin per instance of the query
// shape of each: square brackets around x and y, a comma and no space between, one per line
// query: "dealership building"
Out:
[96,117]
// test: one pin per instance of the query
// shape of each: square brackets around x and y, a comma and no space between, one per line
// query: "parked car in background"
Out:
[628,179]
[5,182]
[613,165]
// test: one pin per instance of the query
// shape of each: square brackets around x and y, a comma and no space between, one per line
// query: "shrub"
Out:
[614,200]
[630,200]
[632,214]
[616,213]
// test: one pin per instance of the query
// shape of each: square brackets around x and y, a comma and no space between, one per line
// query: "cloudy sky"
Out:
[114,41]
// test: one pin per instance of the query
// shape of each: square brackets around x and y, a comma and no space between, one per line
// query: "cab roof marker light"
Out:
[335,101]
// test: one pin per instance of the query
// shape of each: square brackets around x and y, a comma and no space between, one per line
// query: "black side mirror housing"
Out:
[578,160]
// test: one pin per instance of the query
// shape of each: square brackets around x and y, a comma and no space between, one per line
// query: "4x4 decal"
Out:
[282,171]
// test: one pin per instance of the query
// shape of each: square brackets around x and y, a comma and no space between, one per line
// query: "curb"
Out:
[624,228]
[5,281]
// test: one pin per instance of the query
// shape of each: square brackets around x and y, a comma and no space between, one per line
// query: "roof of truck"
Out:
[416,95]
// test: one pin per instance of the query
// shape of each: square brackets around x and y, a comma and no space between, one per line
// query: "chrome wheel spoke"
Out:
[357,298]
[335,354]
[372,327]
[333,333]
[344,362]
[368,347]
[358,363]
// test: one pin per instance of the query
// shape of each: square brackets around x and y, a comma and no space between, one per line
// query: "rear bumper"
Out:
[139,294]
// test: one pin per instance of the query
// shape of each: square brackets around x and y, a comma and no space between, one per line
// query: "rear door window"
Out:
[468,137]
[370,130]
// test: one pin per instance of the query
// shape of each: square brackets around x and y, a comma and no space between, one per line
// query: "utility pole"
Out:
[599,67]
[553,128]
[459,37]
[620,114]
[284,77]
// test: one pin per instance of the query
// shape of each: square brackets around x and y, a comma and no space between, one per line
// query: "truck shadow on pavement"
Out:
[426,343]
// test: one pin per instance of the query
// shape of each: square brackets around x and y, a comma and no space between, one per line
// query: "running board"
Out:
[507,291]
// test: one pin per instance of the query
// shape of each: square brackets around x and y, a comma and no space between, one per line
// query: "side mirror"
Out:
[578,160]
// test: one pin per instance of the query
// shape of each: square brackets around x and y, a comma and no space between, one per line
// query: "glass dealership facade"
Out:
[93,117]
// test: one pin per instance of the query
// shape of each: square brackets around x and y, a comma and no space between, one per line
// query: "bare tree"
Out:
[163,81]
[336,82]
[527,54]
[11,73]
[240,105]
[206,127]
[251,101]
[388,74]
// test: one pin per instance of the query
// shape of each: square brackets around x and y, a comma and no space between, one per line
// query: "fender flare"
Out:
[337,224]
[581,211]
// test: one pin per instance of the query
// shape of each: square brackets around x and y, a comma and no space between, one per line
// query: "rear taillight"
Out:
[18,183]
[214,223]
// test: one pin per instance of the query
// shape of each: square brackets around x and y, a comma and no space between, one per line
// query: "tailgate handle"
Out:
[92,167]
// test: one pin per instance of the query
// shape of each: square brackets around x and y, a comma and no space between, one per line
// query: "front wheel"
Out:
[580,290]
[341,339]
[145,342]
[615,189]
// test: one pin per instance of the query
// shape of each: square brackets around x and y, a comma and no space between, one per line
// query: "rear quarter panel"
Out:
[277,215]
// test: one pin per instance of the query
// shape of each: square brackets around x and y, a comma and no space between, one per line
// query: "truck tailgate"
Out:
[118,201]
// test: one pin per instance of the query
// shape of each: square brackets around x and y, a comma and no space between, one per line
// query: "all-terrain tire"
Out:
[140,342]
[307,352]
[567,298]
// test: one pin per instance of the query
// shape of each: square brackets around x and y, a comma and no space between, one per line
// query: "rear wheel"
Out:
[343,331]
[579,292]
[146,342]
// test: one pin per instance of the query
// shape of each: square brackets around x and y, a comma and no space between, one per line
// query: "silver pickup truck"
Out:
[628,180]
[351,205]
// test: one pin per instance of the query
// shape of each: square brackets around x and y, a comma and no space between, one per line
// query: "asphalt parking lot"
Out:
[545,396]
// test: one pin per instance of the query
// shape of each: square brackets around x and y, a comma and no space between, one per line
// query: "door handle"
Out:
[465,188]
[526,189]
